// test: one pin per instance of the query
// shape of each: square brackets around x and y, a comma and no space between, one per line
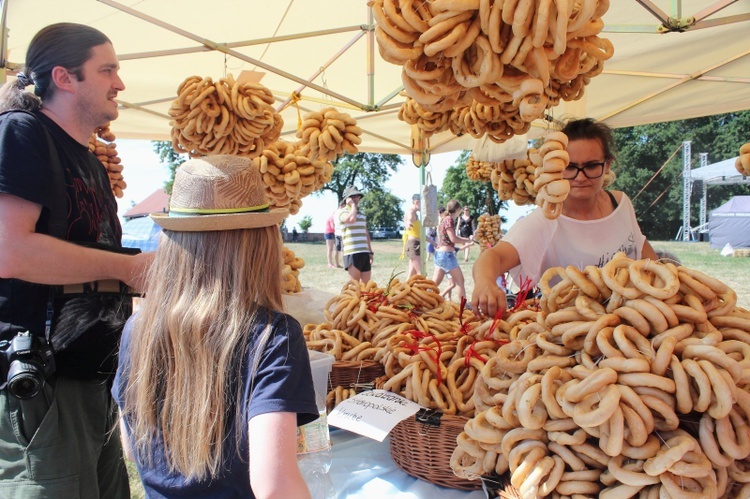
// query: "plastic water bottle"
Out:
[314,456]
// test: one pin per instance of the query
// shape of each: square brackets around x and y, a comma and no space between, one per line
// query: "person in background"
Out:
[411,237]
[329,234]
[430,234]
[55,203]
[445,254]
[466,228]
[358,253]
[295,234]
[338,247]
[595,223]
[214,378]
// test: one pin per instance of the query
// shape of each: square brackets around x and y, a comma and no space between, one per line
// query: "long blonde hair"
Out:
[190,338]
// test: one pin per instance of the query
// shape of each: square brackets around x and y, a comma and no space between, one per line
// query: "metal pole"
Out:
[704,162]
[687,185]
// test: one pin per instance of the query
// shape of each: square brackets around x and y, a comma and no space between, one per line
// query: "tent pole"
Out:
[687,185]
[420,156]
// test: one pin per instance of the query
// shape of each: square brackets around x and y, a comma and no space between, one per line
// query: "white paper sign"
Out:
[372,414]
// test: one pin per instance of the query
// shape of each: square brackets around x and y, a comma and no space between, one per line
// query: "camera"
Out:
[25,361]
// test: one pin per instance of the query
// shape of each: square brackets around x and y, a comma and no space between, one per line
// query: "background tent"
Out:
[138,230]
[673,59]
[730,223]
[141,233]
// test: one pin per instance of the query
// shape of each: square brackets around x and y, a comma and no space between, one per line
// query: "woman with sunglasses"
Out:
[594,225]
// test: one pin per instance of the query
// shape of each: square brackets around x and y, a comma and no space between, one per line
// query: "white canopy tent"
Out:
[673,59]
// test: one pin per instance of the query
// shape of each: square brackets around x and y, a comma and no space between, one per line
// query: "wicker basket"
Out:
[351,373]
[422,446]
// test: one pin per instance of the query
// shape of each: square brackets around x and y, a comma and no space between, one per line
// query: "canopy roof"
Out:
[325,51]
[721,172]
[737,206]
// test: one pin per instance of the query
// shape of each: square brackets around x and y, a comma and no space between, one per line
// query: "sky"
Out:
[144,174]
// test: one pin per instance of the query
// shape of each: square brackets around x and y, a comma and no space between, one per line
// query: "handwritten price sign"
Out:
[372,414]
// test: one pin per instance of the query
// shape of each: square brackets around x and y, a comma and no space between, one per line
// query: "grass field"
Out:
[735,272]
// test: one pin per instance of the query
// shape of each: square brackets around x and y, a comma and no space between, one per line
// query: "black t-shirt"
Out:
[26,171]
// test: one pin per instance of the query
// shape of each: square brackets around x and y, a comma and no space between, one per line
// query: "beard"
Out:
[97,111]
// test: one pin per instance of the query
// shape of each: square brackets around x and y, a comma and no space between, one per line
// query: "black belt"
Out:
[103,286]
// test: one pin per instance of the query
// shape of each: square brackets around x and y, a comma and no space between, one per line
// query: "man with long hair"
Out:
[55,204]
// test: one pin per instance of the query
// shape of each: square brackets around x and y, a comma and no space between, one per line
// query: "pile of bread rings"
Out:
[223,117]
[530,53]
[631,380]
[290,175]
[105,151]
[431,350]
[488,231]
[743,160]
[328,134]
[290,272]
[343,346]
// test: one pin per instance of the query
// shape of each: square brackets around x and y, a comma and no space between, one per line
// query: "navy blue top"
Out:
[283,383]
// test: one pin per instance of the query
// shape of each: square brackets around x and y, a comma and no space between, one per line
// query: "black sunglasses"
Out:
[590,170]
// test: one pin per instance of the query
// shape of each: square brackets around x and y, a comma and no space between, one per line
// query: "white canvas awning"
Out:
[325,51]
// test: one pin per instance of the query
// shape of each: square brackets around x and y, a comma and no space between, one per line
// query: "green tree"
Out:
[643,150]
[479,196]
[305,223]
[366,171]
[382,209]
[169,157]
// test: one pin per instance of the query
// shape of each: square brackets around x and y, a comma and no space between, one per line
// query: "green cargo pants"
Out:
[63,443]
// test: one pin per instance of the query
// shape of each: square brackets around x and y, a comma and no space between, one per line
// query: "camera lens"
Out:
[24,379]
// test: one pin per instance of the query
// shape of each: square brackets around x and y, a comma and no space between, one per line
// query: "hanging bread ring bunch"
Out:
[225,117]
[552,188]
[105,151]
[430,122]
[479,170]
[328,134]
[290,175]
[514,179]
[488,231]
[531,52]
[743,161]
[290,273]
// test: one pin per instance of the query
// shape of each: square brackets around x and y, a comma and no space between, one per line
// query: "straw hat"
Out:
[218,193]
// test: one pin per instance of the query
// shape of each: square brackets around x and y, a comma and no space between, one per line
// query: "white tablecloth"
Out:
[363,468]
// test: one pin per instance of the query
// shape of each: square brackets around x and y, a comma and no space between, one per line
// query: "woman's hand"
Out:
[488,299]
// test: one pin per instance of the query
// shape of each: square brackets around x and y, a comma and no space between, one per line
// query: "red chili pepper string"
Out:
[523,291]
[471,352]
[464,328]
[435,352]
[495,322]
[374,300]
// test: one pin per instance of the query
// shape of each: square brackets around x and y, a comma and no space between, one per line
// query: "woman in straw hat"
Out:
[213,378]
